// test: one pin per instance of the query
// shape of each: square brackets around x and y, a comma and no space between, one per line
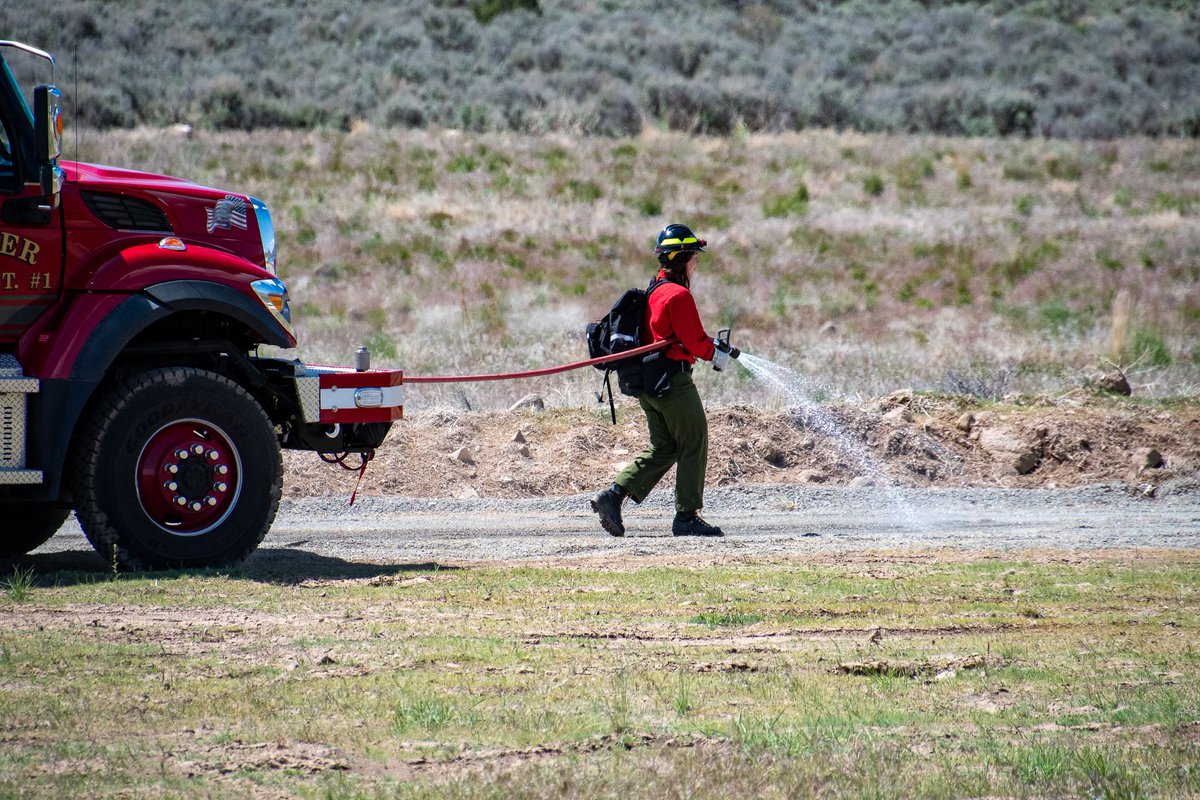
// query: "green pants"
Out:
[678,435]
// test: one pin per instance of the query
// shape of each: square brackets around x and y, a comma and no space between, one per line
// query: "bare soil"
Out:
[903,439]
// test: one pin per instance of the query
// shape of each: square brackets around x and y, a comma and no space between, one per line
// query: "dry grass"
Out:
[449,252]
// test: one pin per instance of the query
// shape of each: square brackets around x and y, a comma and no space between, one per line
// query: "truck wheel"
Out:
[177,467]
[27,526]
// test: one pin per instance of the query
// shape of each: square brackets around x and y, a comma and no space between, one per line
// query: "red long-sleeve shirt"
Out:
[671,311]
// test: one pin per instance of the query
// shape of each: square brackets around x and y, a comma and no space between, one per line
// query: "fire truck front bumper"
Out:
[335,409]
[341,395]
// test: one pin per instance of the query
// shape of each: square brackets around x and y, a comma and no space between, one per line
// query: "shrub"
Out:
[1109,261]
[583,191]
[984,383]
[488,10]
[873,185]
[1148,348]
[650,205]
[787,204]
[381,345]
[1029,259]
[911,172]
[462,163]
[1021,171]
[1059,319]
[1007,67]
[1064,168]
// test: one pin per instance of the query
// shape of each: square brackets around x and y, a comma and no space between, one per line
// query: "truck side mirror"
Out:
[47,126]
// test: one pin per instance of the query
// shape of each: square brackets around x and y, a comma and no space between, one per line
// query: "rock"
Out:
[533,401]
[1007,446]
[810,476]
[965,422]
[829,329]
[620,451]
[899,414]
[1042,431]
[1114,382]
[1001,441]
[464,455]
[1026,463]
[1147,458]
[860,481]
[901,397]
[466,493]
[523,451]
[519,437]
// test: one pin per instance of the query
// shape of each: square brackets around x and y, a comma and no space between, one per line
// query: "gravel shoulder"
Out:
[319,535]
[903,472]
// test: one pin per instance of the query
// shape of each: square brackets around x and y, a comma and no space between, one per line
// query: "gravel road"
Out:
[762,521]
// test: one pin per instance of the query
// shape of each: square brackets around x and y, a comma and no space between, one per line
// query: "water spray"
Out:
[797,391]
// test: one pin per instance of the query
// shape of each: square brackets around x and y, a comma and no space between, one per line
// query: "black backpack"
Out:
[618,331]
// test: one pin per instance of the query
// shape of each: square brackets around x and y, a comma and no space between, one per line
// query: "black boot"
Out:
[608,505]
[690,523]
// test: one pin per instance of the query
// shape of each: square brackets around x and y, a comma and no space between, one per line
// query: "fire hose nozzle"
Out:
[725,350]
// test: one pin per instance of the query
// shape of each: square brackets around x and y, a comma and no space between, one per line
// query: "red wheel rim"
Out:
[188,477]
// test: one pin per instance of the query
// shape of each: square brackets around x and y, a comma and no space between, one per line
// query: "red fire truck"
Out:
[132,309]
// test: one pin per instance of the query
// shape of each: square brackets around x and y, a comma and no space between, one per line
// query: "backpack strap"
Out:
[612,406]
[654,284]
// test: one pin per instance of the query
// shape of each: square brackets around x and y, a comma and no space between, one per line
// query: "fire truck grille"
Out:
[127,213]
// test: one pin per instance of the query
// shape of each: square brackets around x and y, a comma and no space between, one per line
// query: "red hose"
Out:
[537,373]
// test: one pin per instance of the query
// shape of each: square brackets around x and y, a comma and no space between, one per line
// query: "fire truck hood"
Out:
[98,175]
[233,221]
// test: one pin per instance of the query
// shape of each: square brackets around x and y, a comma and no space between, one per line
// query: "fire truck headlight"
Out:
[274,295]
[266,231]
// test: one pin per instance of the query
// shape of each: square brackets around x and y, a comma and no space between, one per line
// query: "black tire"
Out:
[177,467]
[27,526]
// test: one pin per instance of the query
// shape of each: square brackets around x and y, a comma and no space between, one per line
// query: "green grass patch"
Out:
[18,586]
[1029,258]
[583,191]
[873,185]
[1011,677]
[1149,348]
[783,205]
[462,163]
[650,205]
[725,618]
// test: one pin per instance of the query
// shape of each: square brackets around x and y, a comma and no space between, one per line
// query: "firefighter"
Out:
[678,426]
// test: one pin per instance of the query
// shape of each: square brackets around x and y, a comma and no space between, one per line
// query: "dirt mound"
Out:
[905,439]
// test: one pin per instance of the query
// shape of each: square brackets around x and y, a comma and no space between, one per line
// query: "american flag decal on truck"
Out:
[229,212]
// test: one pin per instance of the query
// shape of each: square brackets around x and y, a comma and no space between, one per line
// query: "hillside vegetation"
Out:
[867,262]
[1056,68]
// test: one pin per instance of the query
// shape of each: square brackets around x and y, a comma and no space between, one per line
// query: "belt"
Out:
[679,366]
